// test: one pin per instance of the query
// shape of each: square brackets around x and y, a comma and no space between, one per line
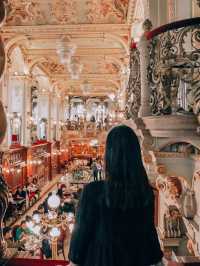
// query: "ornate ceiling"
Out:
[37,12]
[99,28]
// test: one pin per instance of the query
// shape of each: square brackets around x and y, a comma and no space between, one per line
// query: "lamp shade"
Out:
[54,201]
[55,232]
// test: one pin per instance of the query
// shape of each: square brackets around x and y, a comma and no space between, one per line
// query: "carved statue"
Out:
[173,224]
[164,103]
[147,25]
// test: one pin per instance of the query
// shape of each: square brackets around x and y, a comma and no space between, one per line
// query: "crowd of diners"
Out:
[16,236]
[78,123]
[21,199]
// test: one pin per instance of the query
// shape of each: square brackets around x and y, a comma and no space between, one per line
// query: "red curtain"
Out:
[36,262]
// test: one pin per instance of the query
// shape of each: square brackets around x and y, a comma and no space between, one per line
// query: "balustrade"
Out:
[168,61]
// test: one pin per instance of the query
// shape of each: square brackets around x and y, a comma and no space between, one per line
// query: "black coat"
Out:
[104,236]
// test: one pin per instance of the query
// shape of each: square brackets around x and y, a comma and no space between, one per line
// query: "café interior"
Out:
[69,72]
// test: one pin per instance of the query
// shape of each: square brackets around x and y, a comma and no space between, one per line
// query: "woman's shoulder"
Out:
[94,187]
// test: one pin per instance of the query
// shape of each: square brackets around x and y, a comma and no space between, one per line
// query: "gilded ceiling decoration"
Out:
[93,25]
[101,67]
[56,12]
[89,67]
[53,68]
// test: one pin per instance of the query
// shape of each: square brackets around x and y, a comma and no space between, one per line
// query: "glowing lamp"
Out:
[53,201]
[55,232]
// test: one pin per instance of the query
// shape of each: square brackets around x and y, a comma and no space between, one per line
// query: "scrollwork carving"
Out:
[174,58]
[133,91]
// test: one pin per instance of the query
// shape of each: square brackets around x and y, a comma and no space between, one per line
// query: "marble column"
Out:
[59,116]
[49,134]
[145,108]
[27,111]
[4,99]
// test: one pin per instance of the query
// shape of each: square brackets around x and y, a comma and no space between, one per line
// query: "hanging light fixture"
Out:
[75,68]
[111,96]
[65,49]
[86,87]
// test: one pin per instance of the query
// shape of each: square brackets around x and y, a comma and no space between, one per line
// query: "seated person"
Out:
[10,198]
[46,248]
[11,206]
[35,186]
[21,232]
[33,191]
[68,204]
[8,237]
[45,203]
[61,207]
[75,199]
[36,212]
[40,209]
[20,194]
[60,190]
[20,197]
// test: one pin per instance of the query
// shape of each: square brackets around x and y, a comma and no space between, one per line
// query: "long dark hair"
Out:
[124,170]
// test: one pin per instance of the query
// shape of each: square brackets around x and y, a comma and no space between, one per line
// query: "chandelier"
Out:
[86,87]
[112,96]
[75,68]
[65,49]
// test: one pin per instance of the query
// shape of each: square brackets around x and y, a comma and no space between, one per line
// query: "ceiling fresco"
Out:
[56,12]
[100,29]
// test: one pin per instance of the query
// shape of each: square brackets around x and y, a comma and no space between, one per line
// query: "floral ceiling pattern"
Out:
[56,12]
